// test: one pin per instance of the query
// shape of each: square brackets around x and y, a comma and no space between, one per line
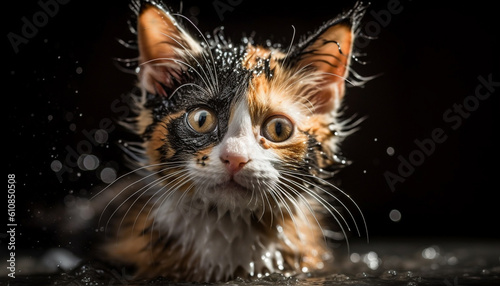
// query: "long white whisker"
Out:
[210,51]
[171,190]
[272,193]
[336,218]
[178,61]
[294,202]
[326,205]
[301,197]
[147,188]
[188,84]
[334,197]
[287,208]
[212,87]
[323,201]
[264,198]
[127,174]
[128,186]
[290,46]
[167,193]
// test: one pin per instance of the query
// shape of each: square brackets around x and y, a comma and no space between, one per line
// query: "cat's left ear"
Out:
[164,48]
[329,51]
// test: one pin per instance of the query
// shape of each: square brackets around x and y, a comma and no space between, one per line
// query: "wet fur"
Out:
[172,219]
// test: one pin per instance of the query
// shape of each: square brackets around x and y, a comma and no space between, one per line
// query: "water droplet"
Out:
[485,272]
[395,215]
[56,165]
[452,260]
[355,257]
[390,151]
[101,136]
[389,274]
[108,175]
[90,162]
[430,253]
[371,259]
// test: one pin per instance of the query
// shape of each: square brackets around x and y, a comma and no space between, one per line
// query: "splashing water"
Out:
[409,263]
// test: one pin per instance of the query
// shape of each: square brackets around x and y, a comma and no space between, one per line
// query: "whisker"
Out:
[302,198]
[263,196]
[298,232]
[290,46]
[212,86]
[128,186]
[287,208]
[214,71]
[272,193]
[323,201]
[352,82]
[294,202]
[326,205]
[189,84]
[128,174]
[177,61]
[149,187]
[334,197]
[167,194]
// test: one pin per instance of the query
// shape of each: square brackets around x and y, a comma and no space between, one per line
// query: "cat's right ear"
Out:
[163,49]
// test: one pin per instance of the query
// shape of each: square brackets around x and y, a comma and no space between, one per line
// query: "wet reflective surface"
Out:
[411,263]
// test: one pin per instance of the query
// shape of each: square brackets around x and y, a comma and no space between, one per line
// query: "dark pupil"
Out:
[277,128]
[202,118]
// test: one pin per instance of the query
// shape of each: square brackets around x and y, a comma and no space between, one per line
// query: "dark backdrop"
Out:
[428,148]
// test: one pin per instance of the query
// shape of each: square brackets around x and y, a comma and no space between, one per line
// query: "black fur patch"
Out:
[217,86]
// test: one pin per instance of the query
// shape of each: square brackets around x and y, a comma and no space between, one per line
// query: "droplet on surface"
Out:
[355,257]
[430,253]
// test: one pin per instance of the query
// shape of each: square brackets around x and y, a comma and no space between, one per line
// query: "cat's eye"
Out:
[202,120]
[277,128]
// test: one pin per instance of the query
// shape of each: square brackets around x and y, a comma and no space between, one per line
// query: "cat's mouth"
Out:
[231,186]
[231,190]
[229,195]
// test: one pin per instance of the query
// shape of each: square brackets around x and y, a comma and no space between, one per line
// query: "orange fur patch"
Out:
[158,140]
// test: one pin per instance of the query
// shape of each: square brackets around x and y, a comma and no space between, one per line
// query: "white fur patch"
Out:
[220,244]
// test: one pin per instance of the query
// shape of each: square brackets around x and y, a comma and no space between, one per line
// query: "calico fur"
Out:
[232,201]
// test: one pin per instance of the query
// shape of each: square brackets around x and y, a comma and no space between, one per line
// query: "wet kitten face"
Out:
[232,126]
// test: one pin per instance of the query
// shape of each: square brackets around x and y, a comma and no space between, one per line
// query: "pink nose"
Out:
[234,162]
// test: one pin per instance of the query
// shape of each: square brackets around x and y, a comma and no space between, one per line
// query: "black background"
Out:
[429,57]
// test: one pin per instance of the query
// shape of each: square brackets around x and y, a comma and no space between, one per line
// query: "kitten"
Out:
[238,143]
